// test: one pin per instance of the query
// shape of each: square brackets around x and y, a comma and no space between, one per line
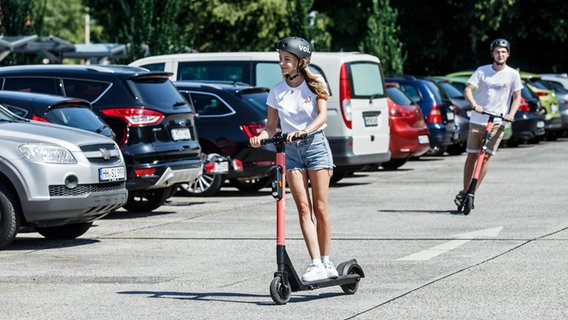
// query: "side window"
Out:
[411,91]
[267,74]
[210,105]
[234,71]
[16,110]
[84,89]
[154,66]
[28,84]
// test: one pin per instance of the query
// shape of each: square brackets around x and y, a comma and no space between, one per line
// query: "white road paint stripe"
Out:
[460,240]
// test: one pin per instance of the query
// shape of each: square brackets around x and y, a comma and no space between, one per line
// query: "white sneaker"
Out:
[315,272]
[330,269]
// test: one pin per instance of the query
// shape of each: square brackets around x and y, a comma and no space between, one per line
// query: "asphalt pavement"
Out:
[214,257]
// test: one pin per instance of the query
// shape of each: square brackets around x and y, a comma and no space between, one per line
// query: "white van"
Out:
[358,118]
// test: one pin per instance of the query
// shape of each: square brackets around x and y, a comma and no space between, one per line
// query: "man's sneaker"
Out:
[331,271]
[459,198]
[314,272]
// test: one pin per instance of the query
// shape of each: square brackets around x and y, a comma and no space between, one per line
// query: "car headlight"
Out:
[46,153]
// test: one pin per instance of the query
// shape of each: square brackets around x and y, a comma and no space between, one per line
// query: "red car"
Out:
[409,136]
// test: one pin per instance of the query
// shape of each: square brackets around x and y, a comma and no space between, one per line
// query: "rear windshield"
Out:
[157,91]
[451,91]
[399,97]
[256,100]
[366,80]
[75,117]
[439,95]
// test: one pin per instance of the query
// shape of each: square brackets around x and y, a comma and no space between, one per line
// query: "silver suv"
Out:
[56,180]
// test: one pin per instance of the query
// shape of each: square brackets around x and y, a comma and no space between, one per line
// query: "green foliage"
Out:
[381,37]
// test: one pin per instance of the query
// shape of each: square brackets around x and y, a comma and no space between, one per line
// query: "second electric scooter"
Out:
[286,280]
[467,202]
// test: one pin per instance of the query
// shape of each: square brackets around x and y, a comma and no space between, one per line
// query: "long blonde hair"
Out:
[315,82]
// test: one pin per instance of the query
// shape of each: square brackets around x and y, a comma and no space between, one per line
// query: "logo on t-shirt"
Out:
[308,100]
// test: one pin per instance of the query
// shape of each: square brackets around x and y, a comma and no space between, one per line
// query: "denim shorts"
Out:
[312,153]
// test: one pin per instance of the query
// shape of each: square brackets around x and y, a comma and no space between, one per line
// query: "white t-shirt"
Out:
[297,107]
[494,91]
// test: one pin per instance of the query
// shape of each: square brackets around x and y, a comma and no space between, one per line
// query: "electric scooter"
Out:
[286,280]
[466,204]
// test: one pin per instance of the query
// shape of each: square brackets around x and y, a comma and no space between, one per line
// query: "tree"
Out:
[147,26]
[381,37]
[21,18]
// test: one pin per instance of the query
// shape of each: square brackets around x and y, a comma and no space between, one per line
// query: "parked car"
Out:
[153,123]
[409,134]
[438,112]
[54,179]
[462,109]
[230,114]
[66,111]
[357,123]
[529,121]
[559,79]
[553,124]
[562,97]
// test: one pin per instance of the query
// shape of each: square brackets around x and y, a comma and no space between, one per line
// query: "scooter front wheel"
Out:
[468,204]
[279,291]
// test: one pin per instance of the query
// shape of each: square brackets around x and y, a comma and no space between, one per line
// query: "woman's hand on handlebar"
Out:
[296,135]
[256,140]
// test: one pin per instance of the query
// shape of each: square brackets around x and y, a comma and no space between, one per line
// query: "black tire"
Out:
[69,231]
[204,186]
[393,164]
[468,205]
[251,185]
[9,216]
[456,149]
[147,200]
[337,175]
[352,287]
[279,291]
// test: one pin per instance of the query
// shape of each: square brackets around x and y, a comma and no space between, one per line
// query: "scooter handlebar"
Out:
[494,115]
[281,139]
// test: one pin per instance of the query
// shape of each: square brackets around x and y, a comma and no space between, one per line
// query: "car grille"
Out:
[63,191]
[107,153]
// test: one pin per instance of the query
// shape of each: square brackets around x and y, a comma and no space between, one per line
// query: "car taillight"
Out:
[435,115]
[541,93]
[135,117]
[144,172]
[524,106]
[345,96]
[36,118]
[402,111]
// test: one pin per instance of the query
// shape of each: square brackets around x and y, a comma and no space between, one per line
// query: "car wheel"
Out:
[251,185]
[393,164]
[147,200]
[456,149]
[9,216]
[204,186]
[70,231]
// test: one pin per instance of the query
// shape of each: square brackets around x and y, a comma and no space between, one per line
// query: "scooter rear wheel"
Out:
[279,291]
[352,287]
[468,205]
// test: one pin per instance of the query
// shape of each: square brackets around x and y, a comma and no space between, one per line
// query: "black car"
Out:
[71,112]
[229,114]
[153,123]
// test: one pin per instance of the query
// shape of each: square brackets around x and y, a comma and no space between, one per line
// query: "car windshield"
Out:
[399,97]
[158,91]
[6,115]
[367,80]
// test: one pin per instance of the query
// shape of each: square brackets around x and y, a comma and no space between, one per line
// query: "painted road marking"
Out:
[459,240]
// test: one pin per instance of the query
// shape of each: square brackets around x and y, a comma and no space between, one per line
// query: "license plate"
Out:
[468,112]
[181,134]
[450,116]
[540,124]
[423,139]
[221,167]
[112,174]
[554,108]
[371,119]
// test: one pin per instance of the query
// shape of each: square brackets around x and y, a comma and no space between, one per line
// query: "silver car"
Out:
[54,179]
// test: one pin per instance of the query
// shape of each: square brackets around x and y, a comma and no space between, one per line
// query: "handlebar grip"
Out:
[281,139]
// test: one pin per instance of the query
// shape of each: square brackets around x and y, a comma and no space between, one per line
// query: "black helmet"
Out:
[500,43]
[296,46]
